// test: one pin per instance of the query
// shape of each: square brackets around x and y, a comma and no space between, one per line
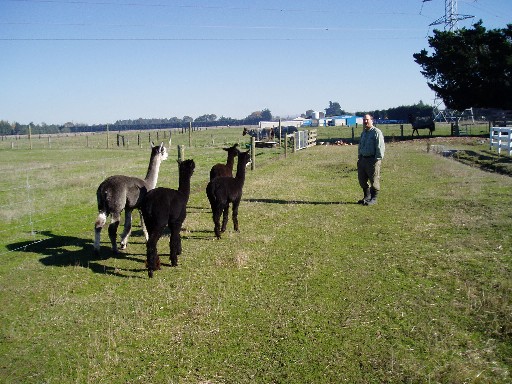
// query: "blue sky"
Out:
[99,61]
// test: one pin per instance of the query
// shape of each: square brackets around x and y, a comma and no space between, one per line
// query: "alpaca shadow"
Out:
[56,253]
[297,202]
[198,234]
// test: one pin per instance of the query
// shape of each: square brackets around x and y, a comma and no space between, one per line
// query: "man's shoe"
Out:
[373,199]
[366,198]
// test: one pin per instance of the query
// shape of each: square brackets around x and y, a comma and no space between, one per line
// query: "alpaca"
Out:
[224,190]
[225,169]
[124,192]
[165,206]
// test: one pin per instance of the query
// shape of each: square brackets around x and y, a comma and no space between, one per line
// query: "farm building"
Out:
[334,121]
[297,122]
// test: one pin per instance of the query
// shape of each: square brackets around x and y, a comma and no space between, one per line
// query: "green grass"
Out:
[314,288]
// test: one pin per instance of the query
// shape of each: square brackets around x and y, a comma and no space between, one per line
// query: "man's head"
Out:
[367,121]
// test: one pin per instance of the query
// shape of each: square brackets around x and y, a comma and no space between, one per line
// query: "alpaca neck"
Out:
[240,171]
[184,184]
[231,161]
[152,174]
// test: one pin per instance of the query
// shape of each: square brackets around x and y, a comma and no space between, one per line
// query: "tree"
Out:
[470,67]
[266,115]
[334,109]
[206,118]
[5,128]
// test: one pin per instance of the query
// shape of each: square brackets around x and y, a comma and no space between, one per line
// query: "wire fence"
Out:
[37,200]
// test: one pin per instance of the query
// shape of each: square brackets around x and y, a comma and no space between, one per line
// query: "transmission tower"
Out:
[450,17]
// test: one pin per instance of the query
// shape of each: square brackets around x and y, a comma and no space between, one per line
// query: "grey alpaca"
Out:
[125,192]
[225,169]
[163,207]
[222,191]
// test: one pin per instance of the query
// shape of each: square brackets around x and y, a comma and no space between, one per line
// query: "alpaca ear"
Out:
[152,144]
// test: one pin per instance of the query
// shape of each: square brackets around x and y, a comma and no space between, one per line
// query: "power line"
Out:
[200,6]
[200,39]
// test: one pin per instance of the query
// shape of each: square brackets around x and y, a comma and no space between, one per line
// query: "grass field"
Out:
[313,289]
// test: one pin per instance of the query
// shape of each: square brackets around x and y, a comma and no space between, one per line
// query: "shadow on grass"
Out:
[298,202]
[486,160]
[57,253]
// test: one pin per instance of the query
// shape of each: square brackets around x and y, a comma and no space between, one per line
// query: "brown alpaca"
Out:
[222,191]
[219,170]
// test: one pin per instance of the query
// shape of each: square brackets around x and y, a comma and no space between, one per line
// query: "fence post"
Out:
[253,153]
[30,135]
[401,131]
[108,140]
[280,133]
[190,134]
[181,152]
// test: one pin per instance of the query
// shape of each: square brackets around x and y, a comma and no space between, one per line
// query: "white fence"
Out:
[304,139]
[501,138]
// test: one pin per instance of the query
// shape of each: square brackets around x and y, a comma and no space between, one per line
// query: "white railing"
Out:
[304,139]
[501,138]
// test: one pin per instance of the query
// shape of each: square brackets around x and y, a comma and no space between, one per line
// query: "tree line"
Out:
[207,120]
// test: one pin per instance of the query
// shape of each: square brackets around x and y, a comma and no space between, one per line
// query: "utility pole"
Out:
[450,17]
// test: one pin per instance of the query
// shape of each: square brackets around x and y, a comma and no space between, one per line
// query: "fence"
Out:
[304,139]
[501,137]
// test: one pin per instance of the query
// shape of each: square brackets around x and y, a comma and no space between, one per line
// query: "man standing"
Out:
[370,154]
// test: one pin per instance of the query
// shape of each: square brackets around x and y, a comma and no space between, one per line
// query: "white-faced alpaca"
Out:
[219,170]
[124,192]
[167,207]
[222,191]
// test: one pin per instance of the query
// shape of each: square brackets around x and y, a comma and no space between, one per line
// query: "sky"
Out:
[100,61]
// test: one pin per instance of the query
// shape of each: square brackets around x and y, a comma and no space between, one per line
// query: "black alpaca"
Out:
[219,170]
[118,193]
[165,206]
[224,190]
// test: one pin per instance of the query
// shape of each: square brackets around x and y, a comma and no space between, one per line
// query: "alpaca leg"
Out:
[235,214]
[153,260]
[112,231]
[225,217]
[143,225]
[175,244]
[127,228]
[98,226]
[97,236]
[217,212]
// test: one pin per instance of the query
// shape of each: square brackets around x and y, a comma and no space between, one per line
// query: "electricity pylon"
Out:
[450,17]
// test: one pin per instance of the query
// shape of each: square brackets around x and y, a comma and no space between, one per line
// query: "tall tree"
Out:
[470,67]
[266,115]
[334,109]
